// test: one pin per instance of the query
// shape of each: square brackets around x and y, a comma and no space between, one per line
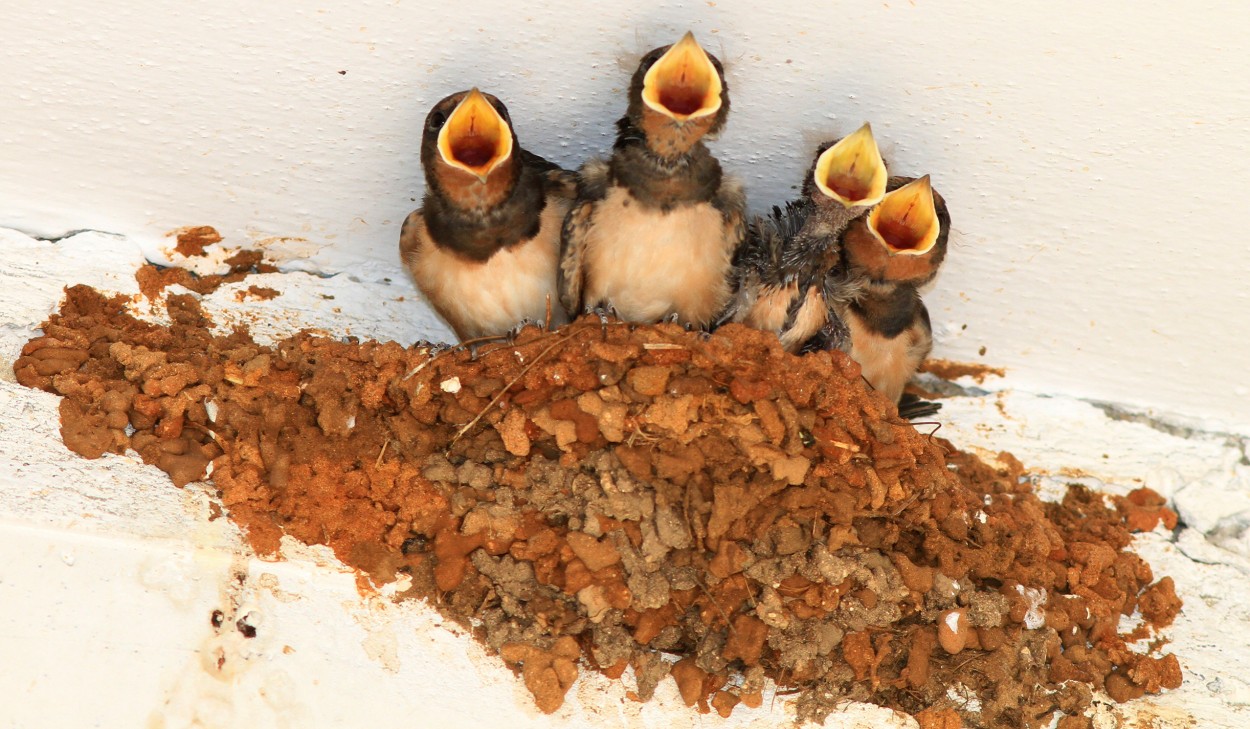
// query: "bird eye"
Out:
[437,120]
[652,56]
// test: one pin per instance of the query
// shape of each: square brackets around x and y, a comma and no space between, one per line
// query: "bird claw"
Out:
[515,331]
[433,350]
[606,314]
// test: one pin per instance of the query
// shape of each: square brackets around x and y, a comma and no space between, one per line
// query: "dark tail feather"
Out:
[912,407]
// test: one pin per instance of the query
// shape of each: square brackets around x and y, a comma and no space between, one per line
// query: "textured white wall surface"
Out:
[1093,154]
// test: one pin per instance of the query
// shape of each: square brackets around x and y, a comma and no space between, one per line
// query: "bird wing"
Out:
[572,242]
[763,261]
[731,201]
[410,236]
[537,162]
[592,183]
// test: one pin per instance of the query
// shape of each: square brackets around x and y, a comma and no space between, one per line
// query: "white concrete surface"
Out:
[109,576]
[1092,153]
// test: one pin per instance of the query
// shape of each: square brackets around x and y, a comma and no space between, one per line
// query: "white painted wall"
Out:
[1094,154]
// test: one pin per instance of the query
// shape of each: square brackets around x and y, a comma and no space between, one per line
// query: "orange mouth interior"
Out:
[906,220]
[852,170]
[475,138]
[683,84]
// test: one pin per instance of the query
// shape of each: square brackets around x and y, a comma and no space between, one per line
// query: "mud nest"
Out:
[613,497]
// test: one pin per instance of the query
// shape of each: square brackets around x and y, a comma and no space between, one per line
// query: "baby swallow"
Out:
[891,252]
[484,247]
[789,274]
[654,229]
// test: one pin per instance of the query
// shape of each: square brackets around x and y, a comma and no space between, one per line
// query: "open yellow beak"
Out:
[852,171]
[906,221]
[683,84]
[475,137]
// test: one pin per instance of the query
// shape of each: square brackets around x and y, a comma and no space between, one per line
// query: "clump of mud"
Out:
[604,497]
[192,240]
[154,279]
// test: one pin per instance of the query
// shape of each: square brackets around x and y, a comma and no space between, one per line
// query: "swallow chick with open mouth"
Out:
[790,278]
[890,253]
[655,227]
[484,247]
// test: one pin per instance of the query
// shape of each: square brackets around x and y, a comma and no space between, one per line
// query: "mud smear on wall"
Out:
[603,497]
[154,279]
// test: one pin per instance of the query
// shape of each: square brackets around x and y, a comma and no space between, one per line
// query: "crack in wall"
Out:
[1170,427]
[62,236]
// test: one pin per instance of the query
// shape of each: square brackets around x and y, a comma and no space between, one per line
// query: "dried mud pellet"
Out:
[791,470]
[867,597]
[616,670]
[1121,689]
[953,630]
[565,431]
[1145,496]
[147,406]
[450,549]
[747,391]
[746,640]
[730,559]
[1169,671]
[586,427]
[173,446]
[169,427]
[918,579]
[594,601]
[651,622]
[689,678]
[672,414]
[577,577]
[939,719]
[724,703]
[615,352]
[618,594]
[636,460]
[513,433]
[804,611]
[992,638]
[858,653]
[612,422]
[1159,604]
[1058,618]
[84,432]
[923,641]
[840,536]
[793,586]
[115,401]
[183,468]
[770,421]
[649,380]
[548,675]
